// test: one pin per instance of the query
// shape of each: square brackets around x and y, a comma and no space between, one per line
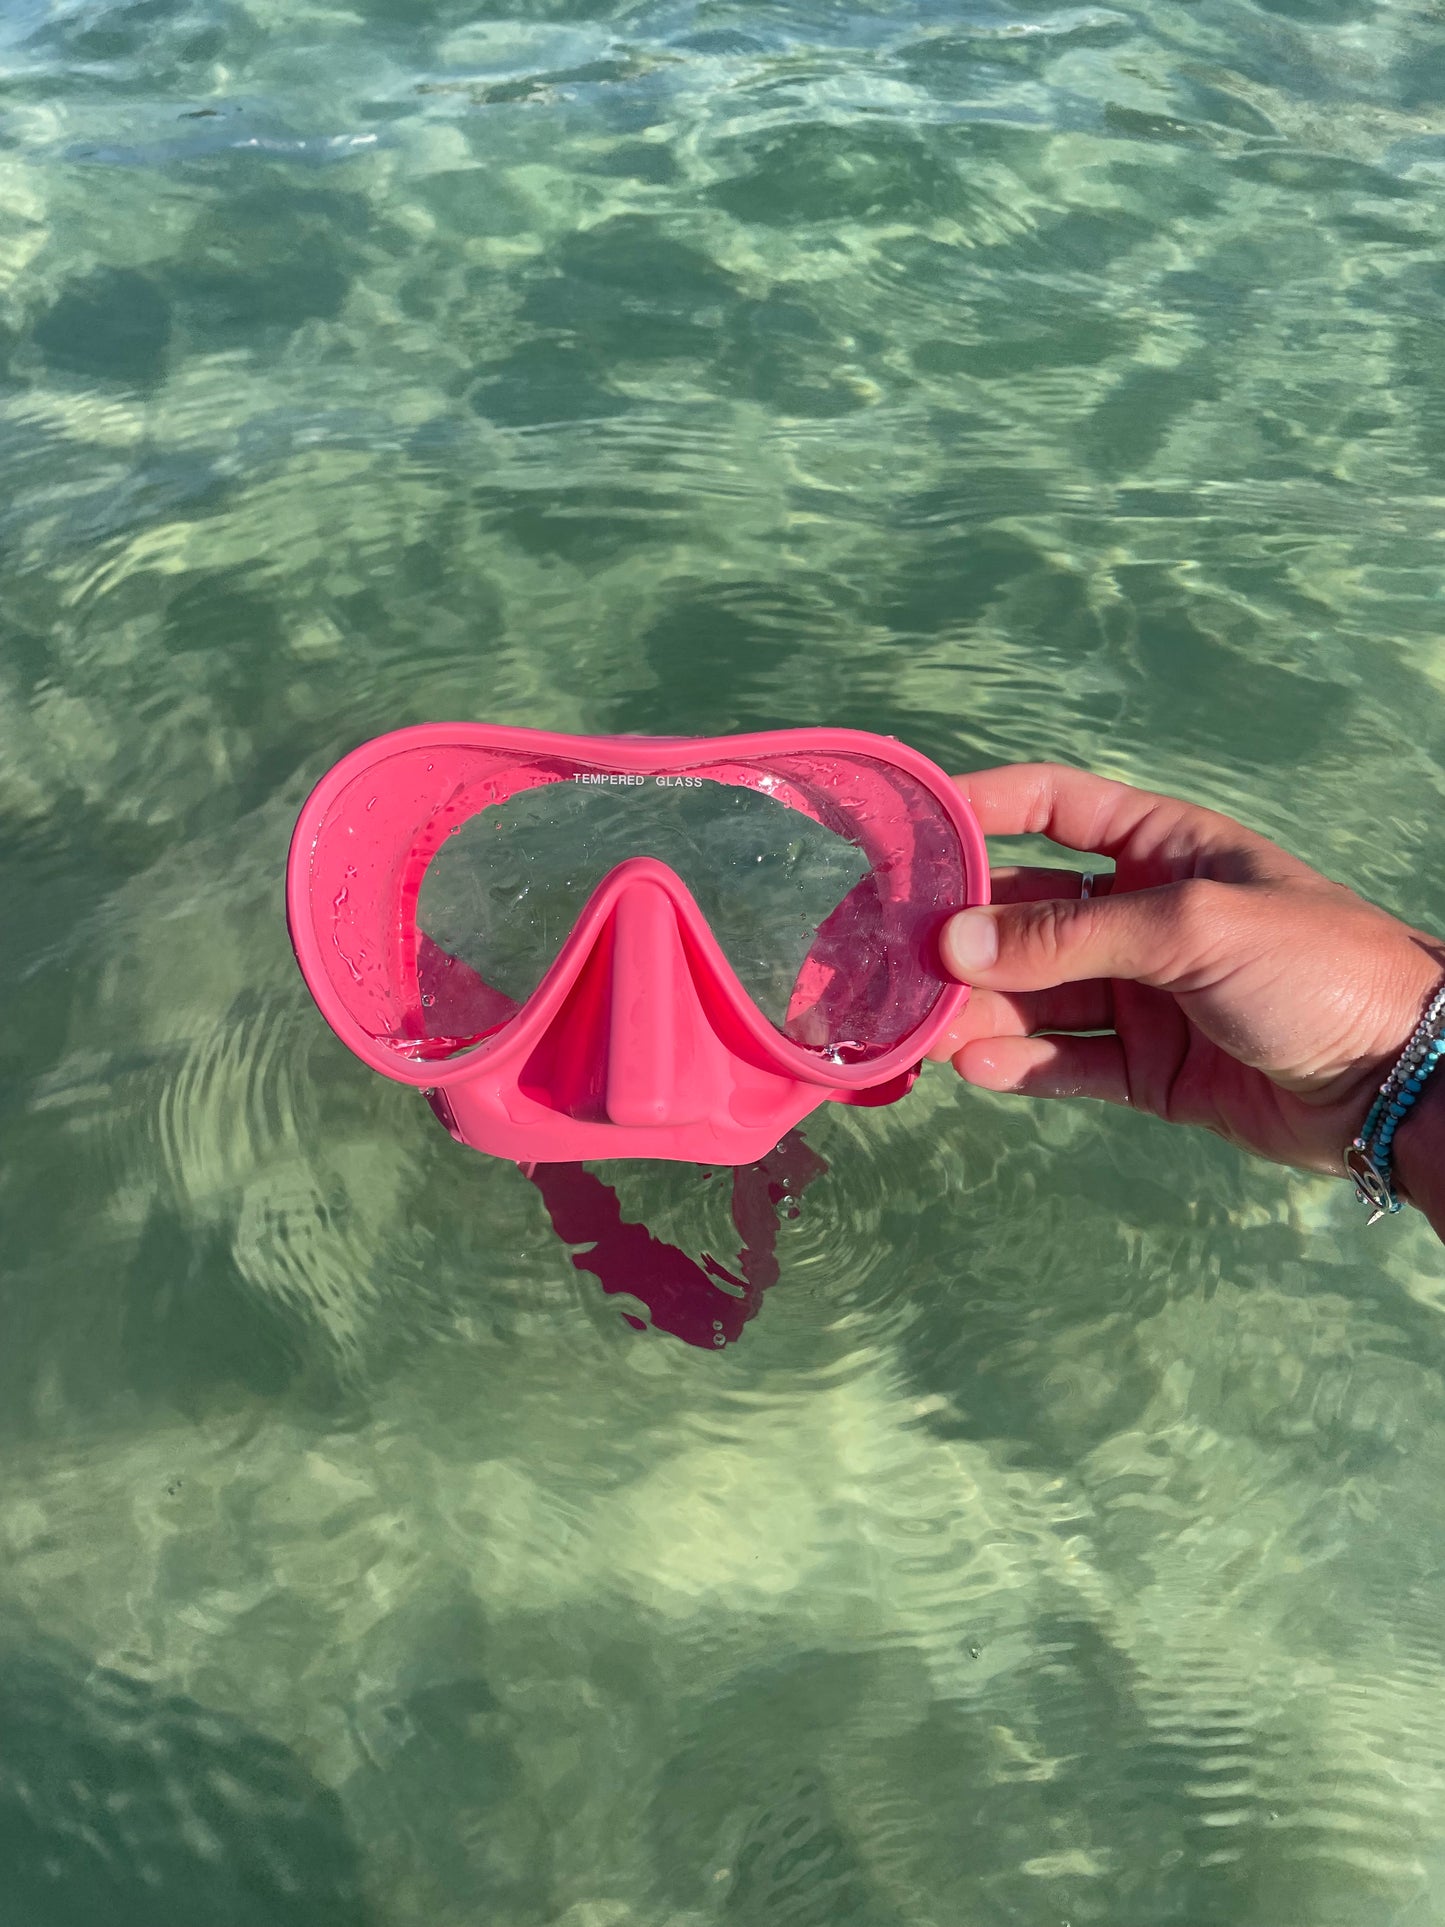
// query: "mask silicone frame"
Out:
[639,1040]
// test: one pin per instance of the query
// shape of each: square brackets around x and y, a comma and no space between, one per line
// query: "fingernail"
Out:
[970,943]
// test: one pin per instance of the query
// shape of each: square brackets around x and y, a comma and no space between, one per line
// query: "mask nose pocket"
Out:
[630,1044]
[658,1039]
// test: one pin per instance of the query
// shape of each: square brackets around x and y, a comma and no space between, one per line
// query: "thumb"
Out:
[1148,936]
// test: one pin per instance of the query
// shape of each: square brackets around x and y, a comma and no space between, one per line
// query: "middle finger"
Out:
[1027,1013]
[1029,883]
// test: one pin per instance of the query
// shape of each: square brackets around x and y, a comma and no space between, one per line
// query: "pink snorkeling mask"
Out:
[631,946]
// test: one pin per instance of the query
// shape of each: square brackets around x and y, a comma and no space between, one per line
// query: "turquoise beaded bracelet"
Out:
[1369,1158]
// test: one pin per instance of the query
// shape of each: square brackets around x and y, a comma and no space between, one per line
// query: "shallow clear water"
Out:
[1064,1538]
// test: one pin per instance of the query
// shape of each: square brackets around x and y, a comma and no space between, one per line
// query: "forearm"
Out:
[1420,1153]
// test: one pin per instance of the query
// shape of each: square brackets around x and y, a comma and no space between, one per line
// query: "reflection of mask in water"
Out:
[703,1303]
[624,946]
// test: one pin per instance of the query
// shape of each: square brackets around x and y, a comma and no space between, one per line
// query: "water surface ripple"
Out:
[1061,1540]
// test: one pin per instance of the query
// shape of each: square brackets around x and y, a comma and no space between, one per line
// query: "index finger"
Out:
[1082,811]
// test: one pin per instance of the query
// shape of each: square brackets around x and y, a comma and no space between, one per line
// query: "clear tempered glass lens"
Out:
[505,890]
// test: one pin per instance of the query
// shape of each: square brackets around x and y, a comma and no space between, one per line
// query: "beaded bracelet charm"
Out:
[1369,1159]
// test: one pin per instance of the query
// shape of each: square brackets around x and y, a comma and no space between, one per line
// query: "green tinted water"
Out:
[1064,1541]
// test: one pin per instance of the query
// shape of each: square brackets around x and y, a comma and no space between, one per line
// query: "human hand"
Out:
[1213,979]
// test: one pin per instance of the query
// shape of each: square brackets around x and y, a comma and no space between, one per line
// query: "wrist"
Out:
[1420,1153]
[1387,1174]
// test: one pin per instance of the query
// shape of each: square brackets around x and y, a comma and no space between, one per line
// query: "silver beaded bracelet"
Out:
[1370,1158]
